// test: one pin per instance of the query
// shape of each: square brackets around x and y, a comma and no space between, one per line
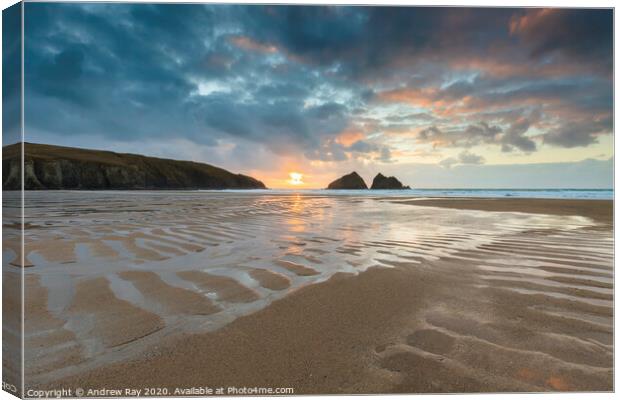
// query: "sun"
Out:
[296,178]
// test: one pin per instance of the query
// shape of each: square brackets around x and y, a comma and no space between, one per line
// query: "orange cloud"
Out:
[506,69]
[247,43]
[431,98]
[532,18]
[348,137]
[419,97]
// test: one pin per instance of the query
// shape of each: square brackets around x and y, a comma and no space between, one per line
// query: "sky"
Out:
[438,97]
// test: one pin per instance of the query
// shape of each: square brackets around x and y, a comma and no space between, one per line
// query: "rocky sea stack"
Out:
[383,182]
[55,167]
[351,181]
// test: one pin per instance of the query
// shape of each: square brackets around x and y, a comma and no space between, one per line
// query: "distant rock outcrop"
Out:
[55,167]
[351,181]
[384,182]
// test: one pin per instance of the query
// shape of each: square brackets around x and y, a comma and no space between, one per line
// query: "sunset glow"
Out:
[295,178]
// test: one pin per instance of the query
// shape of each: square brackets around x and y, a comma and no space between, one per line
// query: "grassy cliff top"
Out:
[49,153]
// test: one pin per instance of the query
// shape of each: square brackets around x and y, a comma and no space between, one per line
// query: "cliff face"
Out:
[351,181]
[383,182]
[55,167]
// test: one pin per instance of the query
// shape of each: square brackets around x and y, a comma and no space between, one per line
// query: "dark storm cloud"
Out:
[11,74]
[584,34]
[295,78]
[134,71]
[320,35]
[365,42]
[282,125]
[107,72]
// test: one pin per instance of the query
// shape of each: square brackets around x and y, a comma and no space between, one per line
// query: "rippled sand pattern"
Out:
[108,274]
[534,309]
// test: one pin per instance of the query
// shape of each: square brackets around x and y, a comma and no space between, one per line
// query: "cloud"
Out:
[471,135]
[586,34]
[482,130]
[469,158]
[360,149]
[249,44]
[333,84]
[578,134]
[362,146]
[508,108]
[515,135]
[464,158]
[11,74]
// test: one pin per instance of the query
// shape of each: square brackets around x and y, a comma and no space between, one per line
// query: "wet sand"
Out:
[599,210]
[385,331]
[516,303]
[11,295]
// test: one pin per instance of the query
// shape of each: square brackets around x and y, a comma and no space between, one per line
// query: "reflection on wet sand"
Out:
[12,293]
[113,273]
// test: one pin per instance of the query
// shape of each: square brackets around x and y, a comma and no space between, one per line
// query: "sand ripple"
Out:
[110,273]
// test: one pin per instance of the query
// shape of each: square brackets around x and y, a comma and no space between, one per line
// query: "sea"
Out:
[593,194]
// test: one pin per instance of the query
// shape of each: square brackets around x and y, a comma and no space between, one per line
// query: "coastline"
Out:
[411,328]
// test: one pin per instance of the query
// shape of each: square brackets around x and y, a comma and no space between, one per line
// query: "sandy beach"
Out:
[321,294]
